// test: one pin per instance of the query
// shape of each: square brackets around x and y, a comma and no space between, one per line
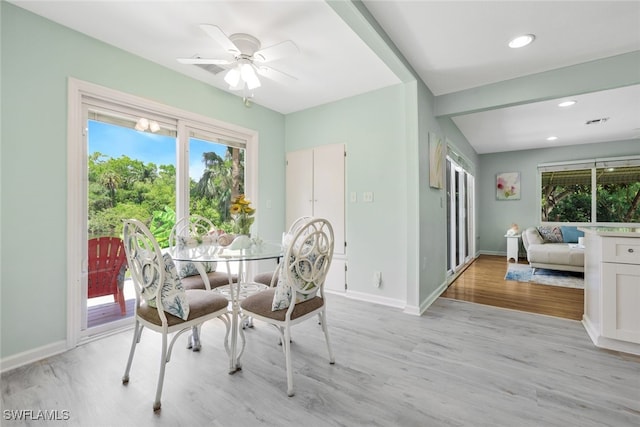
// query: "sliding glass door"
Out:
[133,158]
[460,208]
[131,173]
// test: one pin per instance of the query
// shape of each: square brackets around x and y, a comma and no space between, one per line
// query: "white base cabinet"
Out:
[612,290]
[621,302]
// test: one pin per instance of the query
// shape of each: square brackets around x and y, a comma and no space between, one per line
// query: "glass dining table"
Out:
[234,291]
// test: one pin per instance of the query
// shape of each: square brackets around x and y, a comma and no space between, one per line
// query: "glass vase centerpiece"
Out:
[242,214]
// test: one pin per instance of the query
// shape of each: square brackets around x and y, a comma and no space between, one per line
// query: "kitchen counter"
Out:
[613,231]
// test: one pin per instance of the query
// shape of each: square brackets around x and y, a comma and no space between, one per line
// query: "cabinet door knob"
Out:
[630,250]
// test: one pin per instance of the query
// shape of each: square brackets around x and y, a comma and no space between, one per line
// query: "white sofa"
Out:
[553,248]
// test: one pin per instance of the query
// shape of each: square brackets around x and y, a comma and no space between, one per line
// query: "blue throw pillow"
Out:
[570,234]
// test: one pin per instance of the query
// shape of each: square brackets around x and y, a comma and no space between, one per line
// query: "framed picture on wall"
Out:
[436,161]
[508,186]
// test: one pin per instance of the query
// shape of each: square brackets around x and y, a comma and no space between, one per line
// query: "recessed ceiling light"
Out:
[522,41]
[552,138]
[567,103]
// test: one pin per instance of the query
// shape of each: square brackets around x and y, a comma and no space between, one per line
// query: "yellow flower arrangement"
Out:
[242,214]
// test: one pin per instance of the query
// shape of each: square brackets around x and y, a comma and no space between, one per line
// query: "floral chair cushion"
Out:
[173,295]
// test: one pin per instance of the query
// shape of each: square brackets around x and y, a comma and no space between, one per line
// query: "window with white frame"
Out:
[599,191]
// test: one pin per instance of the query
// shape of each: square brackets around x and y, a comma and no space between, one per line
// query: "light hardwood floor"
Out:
[483,283]
[459,364]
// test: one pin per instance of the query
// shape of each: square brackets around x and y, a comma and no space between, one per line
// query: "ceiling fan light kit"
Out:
[245,48]
[248,75]
[232,77]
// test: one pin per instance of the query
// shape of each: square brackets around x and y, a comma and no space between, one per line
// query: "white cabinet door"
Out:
[621,301]
[315,187]
[337,276]
[328,189]
[299,185]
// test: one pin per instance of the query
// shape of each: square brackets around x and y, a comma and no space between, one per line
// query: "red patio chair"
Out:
[106,259]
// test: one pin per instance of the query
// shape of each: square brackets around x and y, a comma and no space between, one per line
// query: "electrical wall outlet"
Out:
[367,197]
[377,278]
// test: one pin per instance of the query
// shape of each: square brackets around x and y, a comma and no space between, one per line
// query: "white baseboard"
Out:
[34,355]
[432,297]
[362,296]
[608,343]
[414,310]
[396,303]
[499,253]
[591,330]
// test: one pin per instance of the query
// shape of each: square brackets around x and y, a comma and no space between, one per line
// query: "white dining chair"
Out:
[299,292]
[162,303]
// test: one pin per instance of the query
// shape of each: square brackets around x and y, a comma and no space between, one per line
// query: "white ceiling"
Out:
[451,45]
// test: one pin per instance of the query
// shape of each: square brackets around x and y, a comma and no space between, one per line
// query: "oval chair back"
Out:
[307,259]
[192,227]
[145,262]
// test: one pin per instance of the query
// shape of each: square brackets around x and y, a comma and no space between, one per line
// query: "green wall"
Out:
[403,232]
[38,56]
[496,216]
[372,127]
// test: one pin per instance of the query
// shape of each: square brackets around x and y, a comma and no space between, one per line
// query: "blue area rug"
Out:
[542,276]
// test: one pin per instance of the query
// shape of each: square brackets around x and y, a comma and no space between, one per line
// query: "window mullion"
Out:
[182,171]
[594,197]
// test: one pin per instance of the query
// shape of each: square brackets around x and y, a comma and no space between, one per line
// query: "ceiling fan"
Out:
[246,58]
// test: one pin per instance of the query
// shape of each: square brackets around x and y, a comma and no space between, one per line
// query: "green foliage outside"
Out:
[618,203]
[127,188]
[572,203]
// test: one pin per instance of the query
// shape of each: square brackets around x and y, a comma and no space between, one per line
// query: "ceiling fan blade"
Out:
[276,75]
[277,51]
[205,61]
[220,37]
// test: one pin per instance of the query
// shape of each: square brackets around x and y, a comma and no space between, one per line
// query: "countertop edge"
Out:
[611,231]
